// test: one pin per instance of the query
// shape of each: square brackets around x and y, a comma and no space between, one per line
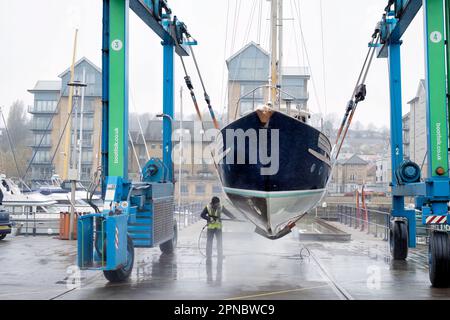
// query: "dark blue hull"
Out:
[293,187]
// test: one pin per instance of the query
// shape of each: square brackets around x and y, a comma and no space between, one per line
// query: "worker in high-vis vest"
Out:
[213,215]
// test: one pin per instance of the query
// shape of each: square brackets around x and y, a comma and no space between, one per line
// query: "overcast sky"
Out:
[37,39]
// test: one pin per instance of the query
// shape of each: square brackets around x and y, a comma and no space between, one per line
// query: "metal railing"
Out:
[188,214]
[26,223]
[32,223]
[376,223]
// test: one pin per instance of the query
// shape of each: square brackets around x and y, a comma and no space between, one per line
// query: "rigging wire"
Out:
[323,59]
[236,19]
[258,31]
[207,98]
[298,13]
[140,125]
[245,40]
[224,82]
[134,152]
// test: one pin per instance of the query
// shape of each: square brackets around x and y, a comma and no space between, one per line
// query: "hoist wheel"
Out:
[398,239]
[123,273]
[439,259]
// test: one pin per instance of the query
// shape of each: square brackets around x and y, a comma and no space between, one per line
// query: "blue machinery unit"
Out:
[432,195]
[135,214]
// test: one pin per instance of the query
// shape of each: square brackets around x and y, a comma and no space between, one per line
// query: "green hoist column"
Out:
[118,89]
[436,88]
[447,24]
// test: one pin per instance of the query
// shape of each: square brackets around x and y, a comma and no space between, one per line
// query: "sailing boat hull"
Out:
[298,175]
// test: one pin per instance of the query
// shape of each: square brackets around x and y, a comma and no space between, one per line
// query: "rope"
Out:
[188,81]
[189,85]
[207,99]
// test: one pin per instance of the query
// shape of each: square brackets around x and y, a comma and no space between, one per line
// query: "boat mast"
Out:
[280,44]
[273,52]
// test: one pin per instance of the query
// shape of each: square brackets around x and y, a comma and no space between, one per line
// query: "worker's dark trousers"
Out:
[209,242]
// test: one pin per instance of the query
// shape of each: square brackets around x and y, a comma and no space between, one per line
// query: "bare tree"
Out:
[18,124]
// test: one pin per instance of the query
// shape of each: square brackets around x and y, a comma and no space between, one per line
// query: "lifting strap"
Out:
[190,86]
[207,99]
[358,95]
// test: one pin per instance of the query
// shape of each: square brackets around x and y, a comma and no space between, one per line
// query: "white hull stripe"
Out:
[319,156]
[436,219]
[273,194]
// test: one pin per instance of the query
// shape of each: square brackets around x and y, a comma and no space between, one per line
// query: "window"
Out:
[200,189]
[153,146]
[88,123]
[184,189]
[46,139]
[42,156]
[86,156]
[247,105]
[41,123]
[45,105]
[43,173]
[87,139]
[85,173]
[252,91]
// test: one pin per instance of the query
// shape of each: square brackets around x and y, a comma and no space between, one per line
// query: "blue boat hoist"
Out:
[135,214]
[431,195]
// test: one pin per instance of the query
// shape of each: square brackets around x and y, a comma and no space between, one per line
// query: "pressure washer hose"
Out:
[199,238]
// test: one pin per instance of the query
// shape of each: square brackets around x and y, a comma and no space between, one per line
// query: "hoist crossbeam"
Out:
[394,29]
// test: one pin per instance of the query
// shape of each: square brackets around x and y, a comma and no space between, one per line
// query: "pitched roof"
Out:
[248,45]
[356,160]
[46,85]
[420,86]
[77,63]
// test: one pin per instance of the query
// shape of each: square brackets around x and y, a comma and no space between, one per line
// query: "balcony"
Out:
[41,127]
[42,145]
[42,162]
[42,110]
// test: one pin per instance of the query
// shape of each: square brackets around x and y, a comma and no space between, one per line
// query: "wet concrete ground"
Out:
[253,268]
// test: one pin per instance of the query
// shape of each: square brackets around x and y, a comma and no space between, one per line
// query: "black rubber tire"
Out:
[2,236]
[398,240]
[439,259]
[122,274]
[169,246]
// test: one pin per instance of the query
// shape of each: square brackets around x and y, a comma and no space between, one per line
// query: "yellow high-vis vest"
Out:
[217,224]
